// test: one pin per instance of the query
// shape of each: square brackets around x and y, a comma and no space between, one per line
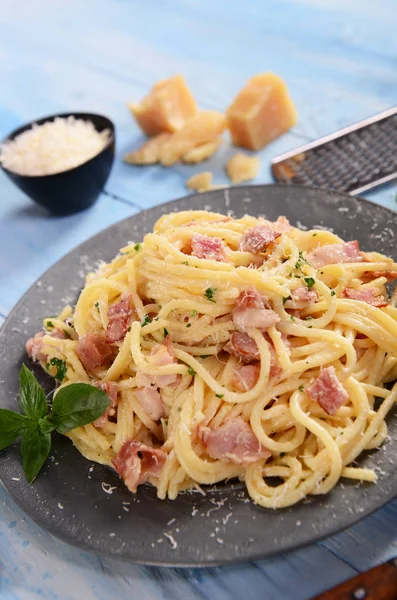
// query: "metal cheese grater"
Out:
[352,160]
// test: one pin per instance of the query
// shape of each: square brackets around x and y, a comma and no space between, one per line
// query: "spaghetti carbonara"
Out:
[232,348]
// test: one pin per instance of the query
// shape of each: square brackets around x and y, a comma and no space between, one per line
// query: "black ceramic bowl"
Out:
[73,190]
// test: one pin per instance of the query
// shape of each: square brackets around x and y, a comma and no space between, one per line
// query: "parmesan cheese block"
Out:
[204,127]
[242,167]
[261,112]
[201,182]
[166,108]
[149,152]
[201,152]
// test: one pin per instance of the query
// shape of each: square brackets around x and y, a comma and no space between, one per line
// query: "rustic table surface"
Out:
[339,60]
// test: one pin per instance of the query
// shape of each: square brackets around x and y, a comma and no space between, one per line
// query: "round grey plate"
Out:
[88,506]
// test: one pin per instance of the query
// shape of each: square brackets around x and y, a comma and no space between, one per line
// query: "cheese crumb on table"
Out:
[242,167]
[167,107]
[201,182]
[201,152]
[261,112]
[149,152]
[204,127]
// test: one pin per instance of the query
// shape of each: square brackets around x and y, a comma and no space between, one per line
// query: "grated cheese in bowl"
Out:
[53,147]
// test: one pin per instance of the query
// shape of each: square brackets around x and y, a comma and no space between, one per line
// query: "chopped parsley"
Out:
[185,263]
[49,324]
[292,318]
[310,282]
[97,306]
[209,294]
[205,355]
[301,388]
[137,247]
[60,367]
[67,334]
[165,332]
[333,292]
[219,395]
[189,325]
[285,299]
[146,321]
[301,260]
[314,234]
[129,328]
[191,371]
[194,313]
[308,318]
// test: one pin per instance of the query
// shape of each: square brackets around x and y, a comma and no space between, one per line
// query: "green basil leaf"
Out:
[45,425]
[35,448]
[11,426]
[77,404]
[31,395]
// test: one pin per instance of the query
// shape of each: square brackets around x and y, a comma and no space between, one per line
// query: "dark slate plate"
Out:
[88,506]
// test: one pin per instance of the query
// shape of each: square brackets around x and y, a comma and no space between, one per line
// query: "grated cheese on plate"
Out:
[53,147]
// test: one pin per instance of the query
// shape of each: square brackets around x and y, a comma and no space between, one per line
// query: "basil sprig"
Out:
[74,405]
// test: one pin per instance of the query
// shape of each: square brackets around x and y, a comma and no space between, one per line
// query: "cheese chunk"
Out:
[149,152]
[242,167]
[167,107]
[261,112]
[204,127]
[201,152]
[201,182]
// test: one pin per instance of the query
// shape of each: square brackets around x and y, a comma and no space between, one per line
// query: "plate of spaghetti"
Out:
[247,343]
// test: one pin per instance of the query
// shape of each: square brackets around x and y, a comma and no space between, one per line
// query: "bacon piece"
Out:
[234,441]
[119,315]
[257,239]
[303,294]
[160,355]
[92,350]
[34,346]
[150,400]
[294,312]
[251,299]
[328,391]
[282,225]
[368,295]
[250,311]
[332,254]
[242,346]
[136,462]
[390,275]
[210,248]
[245,378]
[58,333]
[110,388]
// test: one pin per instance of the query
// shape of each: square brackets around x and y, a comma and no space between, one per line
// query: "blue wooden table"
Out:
[339,60]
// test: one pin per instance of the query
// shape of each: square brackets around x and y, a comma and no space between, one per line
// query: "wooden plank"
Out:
[32,241]
[370,542]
